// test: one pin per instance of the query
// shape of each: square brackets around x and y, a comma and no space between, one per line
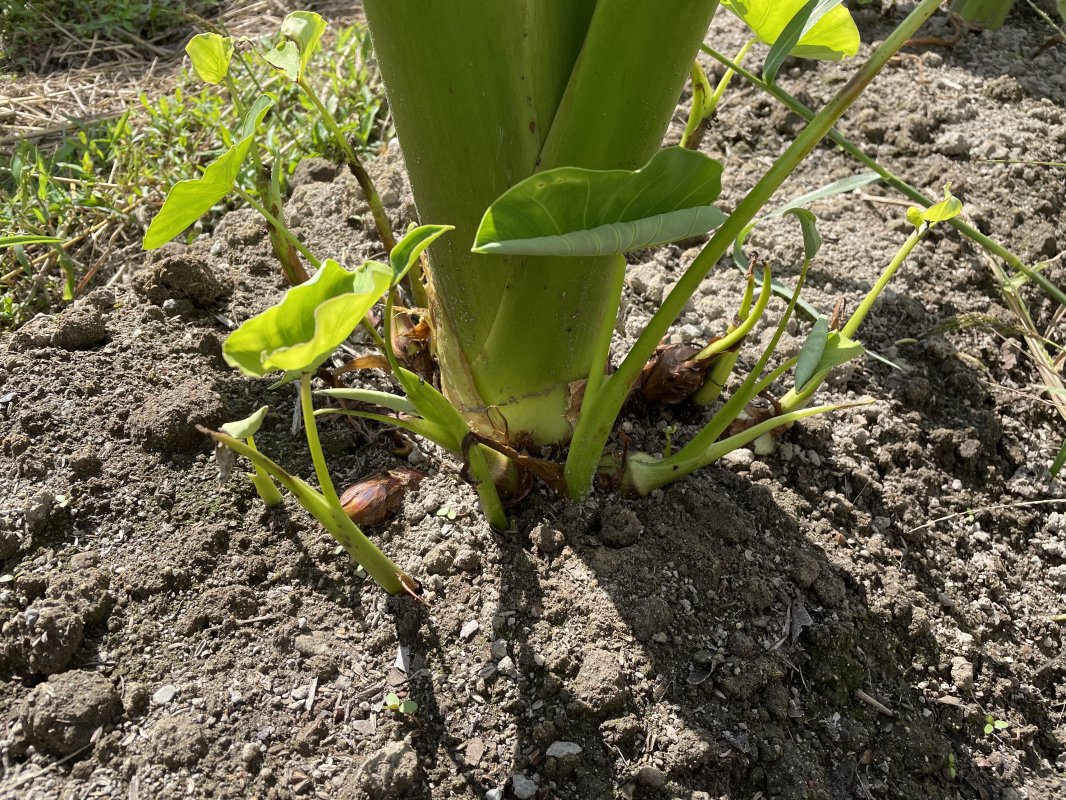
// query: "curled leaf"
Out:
[302,30]
[811,353]
[249,426]
[299,333]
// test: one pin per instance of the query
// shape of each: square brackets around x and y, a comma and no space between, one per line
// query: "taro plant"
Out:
[533,129]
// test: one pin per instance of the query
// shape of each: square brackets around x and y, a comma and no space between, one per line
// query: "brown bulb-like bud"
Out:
[371,501]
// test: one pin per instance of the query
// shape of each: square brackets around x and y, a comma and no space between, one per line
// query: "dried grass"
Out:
[112,75]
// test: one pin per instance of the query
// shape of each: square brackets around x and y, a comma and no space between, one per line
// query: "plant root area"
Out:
[868,612]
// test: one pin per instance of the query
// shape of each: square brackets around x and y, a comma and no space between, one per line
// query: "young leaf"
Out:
[303,30]
[831,38]
[408,707]
[838,350]
[249,426]
[811,353]
[210,54]
[812,240]
[300,332]
[188,200]
[580,212]
[410,247]
[946,209]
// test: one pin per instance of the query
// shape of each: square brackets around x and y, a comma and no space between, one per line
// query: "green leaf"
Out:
[580,212]
[27,238]
[831,38]
[988,14]
[408,707]
[188,200]
[392,700]
[410,247]
[301,331]
[812,240]
[1001,725]
[303,29]
[988,728]
[249,426]
[210,54]
[805,19]
[811,353]
[286,57]
[946,209]
[1061,6]
[841,186]
[838,350]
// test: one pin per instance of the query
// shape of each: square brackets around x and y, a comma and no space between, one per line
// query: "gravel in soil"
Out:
[799,625]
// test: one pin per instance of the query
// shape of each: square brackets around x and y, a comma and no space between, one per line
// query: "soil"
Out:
[839,619]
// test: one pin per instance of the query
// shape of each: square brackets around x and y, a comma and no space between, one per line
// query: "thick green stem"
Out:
[539,84]
[893,180]
[355,164]
[311,429]
[601,411]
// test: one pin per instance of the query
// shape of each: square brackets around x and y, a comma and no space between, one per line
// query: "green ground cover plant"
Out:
[96,190]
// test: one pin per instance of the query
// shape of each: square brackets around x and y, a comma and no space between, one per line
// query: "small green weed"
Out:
[993,725]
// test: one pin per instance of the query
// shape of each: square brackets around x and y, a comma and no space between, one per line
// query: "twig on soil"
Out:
[877,704]
[983,509]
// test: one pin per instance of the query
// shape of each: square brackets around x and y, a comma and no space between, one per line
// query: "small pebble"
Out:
[523,787]
[249,753]
[468,629]
[164,694]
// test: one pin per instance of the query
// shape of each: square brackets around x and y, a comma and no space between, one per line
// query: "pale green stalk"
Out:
[893,180]
[268,492]
[600,411]
[311,429]
[330,515]
[280,226]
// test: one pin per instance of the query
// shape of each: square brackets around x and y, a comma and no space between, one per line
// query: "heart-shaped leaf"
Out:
[188,200]
[301,331]
[581,212]
[832,37]
[210,54]
[303,30]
